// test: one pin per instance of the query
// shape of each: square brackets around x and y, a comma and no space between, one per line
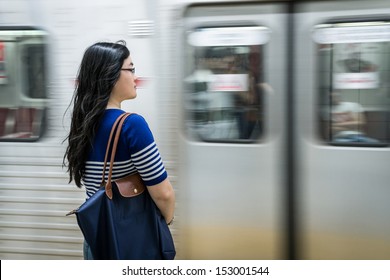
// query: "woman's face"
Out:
[125,88]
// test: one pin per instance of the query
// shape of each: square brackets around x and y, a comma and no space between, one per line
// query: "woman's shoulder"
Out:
[135,123]
[135,119]
[137,132]
[132,119]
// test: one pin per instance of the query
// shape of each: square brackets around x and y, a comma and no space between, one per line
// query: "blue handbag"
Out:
[121,221]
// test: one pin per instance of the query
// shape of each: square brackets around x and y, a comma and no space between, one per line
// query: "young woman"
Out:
[107,77]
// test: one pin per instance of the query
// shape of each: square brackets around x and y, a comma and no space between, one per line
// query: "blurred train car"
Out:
[272,118]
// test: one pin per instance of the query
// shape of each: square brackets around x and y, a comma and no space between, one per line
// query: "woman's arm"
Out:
[164,197]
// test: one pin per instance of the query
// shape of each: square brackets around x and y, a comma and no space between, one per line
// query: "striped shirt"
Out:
[136,152]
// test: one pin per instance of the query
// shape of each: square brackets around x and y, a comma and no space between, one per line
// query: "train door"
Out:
[342,105]
[231,160]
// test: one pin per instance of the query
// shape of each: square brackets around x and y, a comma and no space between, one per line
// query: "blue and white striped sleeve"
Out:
[144,151]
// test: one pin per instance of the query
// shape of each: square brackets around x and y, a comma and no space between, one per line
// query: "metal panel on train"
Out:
[343,107]
[231,143]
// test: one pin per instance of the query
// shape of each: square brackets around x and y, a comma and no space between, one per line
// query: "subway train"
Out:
[272,119]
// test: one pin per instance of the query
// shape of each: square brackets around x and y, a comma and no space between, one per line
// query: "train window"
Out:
[23,96]
[354,83]
[223,84]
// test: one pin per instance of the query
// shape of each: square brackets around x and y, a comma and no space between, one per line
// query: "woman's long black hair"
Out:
[98,73]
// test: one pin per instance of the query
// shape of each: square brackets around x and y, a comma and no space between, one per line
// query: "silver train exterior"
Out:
[241,98]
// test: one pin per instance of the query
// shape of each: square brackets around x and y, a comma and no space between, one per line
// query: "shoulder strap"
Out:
[117,127]
[114,126]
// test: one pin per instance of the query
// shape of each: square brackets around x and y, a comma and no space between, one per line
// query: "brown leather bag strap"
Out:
[108,185]
[108,146]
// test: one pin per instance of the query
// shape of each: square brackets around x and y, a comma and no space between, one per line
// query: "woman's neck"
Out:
[113,105]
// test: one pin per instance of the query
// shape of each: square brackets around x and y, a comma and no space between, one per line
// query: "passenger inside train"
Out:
[347,121]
